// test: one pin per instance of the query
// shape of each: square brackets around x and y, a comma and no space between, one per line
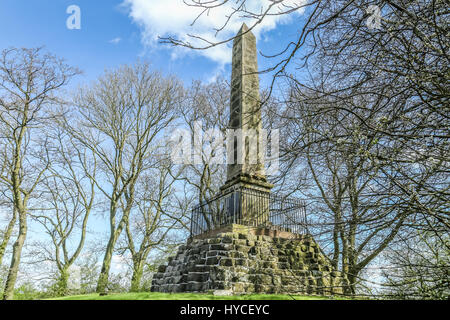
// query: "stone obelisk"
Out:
[246,144]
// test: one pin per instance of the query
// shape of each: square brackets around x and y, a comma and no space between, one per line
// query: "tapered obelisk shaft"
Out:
[247,154]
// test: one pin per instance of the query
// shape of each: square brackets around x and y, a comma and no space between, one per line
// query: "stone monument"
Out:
[246,157]
[247,164]
[249,248]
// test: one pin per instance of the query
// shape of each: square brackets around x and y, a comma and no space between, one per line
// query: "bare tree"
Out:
[383,78]
[119,117]
[68,191]
[391,82]
[417,268]
[350,214]
[208,107]
[205,113]
[29,83]
[151,226]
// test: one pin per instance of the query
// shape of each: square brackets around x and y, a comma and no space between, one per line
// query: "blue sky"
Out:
[134,24]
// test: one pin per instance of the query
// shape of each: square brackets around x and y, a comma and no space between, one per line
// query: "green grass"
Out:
[191,296]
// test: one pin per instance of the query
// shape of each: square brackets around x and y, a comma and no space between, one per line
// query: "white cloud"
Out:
[115,40]
[174,18]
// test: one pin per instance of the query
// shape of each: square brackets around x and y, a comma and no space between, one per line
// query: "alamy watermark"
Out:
[73,22]
[374,20]
[236,146]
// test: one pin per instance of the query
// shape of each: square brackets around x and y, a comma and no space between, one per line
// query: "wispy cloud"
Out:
[174,18]
[115,40]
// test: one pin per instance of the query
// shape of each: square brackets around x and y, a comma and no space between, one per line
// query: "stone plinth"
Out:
[247,263]
[273,232]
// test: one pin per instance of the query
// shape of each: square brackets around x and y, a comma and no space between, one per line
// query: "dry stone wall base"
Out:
[245,263]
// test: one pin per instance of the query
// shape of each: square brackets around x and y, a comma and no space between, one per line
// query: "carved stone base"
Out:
[247,181]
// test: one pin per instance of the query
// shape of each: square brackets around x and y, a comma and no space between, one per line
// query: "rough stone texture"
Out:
[245,108]
[245,263]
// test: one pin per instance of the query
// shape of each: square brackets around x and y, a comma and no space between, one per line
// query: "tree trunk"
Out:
[138,271]
[15,260]
[106,266]
[352,277]
[62,284]
[7,235]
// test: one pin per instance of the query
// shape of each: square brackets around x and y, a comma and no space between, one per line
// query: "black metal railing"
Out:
[249,207]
